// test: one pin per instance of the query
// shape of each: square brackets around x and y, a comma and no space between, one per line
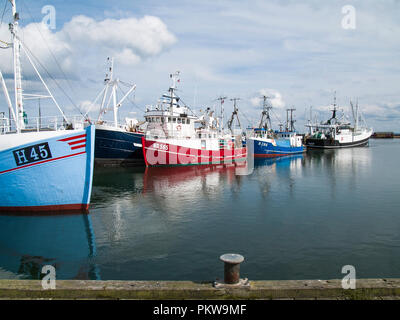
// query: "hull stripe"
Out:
[79,207]
[78,147]
[41,162]
[73,138]
[76,142]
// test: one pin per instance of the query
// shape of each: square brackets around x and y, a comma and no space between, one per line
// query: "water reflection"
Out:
[285,169]
[67,242]
[153,223]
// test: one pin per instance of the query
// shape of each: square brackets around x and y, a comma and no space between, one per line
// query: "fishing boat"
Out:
[339,133]
[175,136]
[268,143]
[42,167]
[116,144]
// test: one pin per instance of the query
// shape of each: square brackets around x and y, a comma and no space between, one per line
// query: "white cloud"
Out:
[131,38]
[84,39]
[275,98]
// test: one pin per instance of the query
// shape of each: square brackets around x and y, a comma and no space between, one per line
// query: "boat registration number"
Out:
[160,146]
[31,154]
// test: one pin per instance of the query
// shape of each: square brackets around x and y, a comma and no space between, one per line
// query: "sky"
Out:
[297,52]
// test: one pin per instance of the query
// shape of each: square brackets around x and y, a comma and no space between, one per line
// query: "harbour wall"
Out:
[182,290]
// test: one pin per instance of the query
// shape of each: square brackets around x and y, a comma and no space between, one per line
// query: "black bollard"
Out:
[232,263]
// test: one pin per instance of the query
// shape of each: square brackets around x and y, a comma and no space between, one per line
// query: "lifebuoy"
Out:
[178,128]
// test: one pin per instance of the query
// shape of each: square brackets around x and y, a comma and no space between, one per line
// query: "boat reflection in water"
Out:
[189,180]
[279,174]
[67,242]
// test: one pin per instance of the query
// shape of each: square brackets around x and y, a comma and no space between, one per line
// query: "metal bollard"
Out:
[232,263]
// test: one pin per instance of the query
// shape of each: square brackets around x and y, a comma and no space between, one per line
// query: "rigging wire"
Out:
[277,118]
[129,98]
[244,115]
[4,11]
[48,47]
[55,81]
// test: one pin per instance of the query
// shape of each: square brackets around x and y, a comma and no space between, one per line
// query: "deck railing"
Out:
[49,123]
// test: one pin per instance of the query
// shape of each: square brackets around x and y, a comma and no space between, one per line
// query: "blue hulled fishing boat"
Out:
[43,166]
[269,143]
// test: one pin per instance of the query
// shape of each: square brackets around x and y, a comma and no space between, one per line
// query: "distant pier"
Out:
[385,135]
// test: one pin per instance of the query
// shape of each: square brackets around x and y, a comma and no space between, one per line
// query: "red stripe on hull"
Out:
[73,138]
[77,142]
[78,147]
[47,210]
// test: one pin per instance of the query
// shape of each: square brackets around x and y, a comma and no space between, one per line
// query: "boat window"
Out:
[179,120]
[169,119]
[174,120]
[188,121]
[183,121]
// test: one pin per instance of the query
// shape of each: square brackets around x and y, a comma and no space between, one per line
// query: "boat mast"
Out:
[222,100]
[292,129]
[17,68]
[334,106]
[234,113]
[114,93]
[265,113]
[175,79]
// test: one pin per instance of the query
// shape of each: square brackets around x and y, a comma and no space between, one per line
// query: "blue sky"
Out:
[295,51]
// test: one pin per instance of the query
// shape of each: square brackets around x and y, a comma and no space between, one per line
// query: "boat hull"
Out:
[266,149]
[118,148]
[334,144]
[51,173]
[158,153]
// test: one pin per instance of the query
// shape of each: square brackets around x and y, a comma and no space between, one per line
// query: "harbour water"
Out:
[301,217]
